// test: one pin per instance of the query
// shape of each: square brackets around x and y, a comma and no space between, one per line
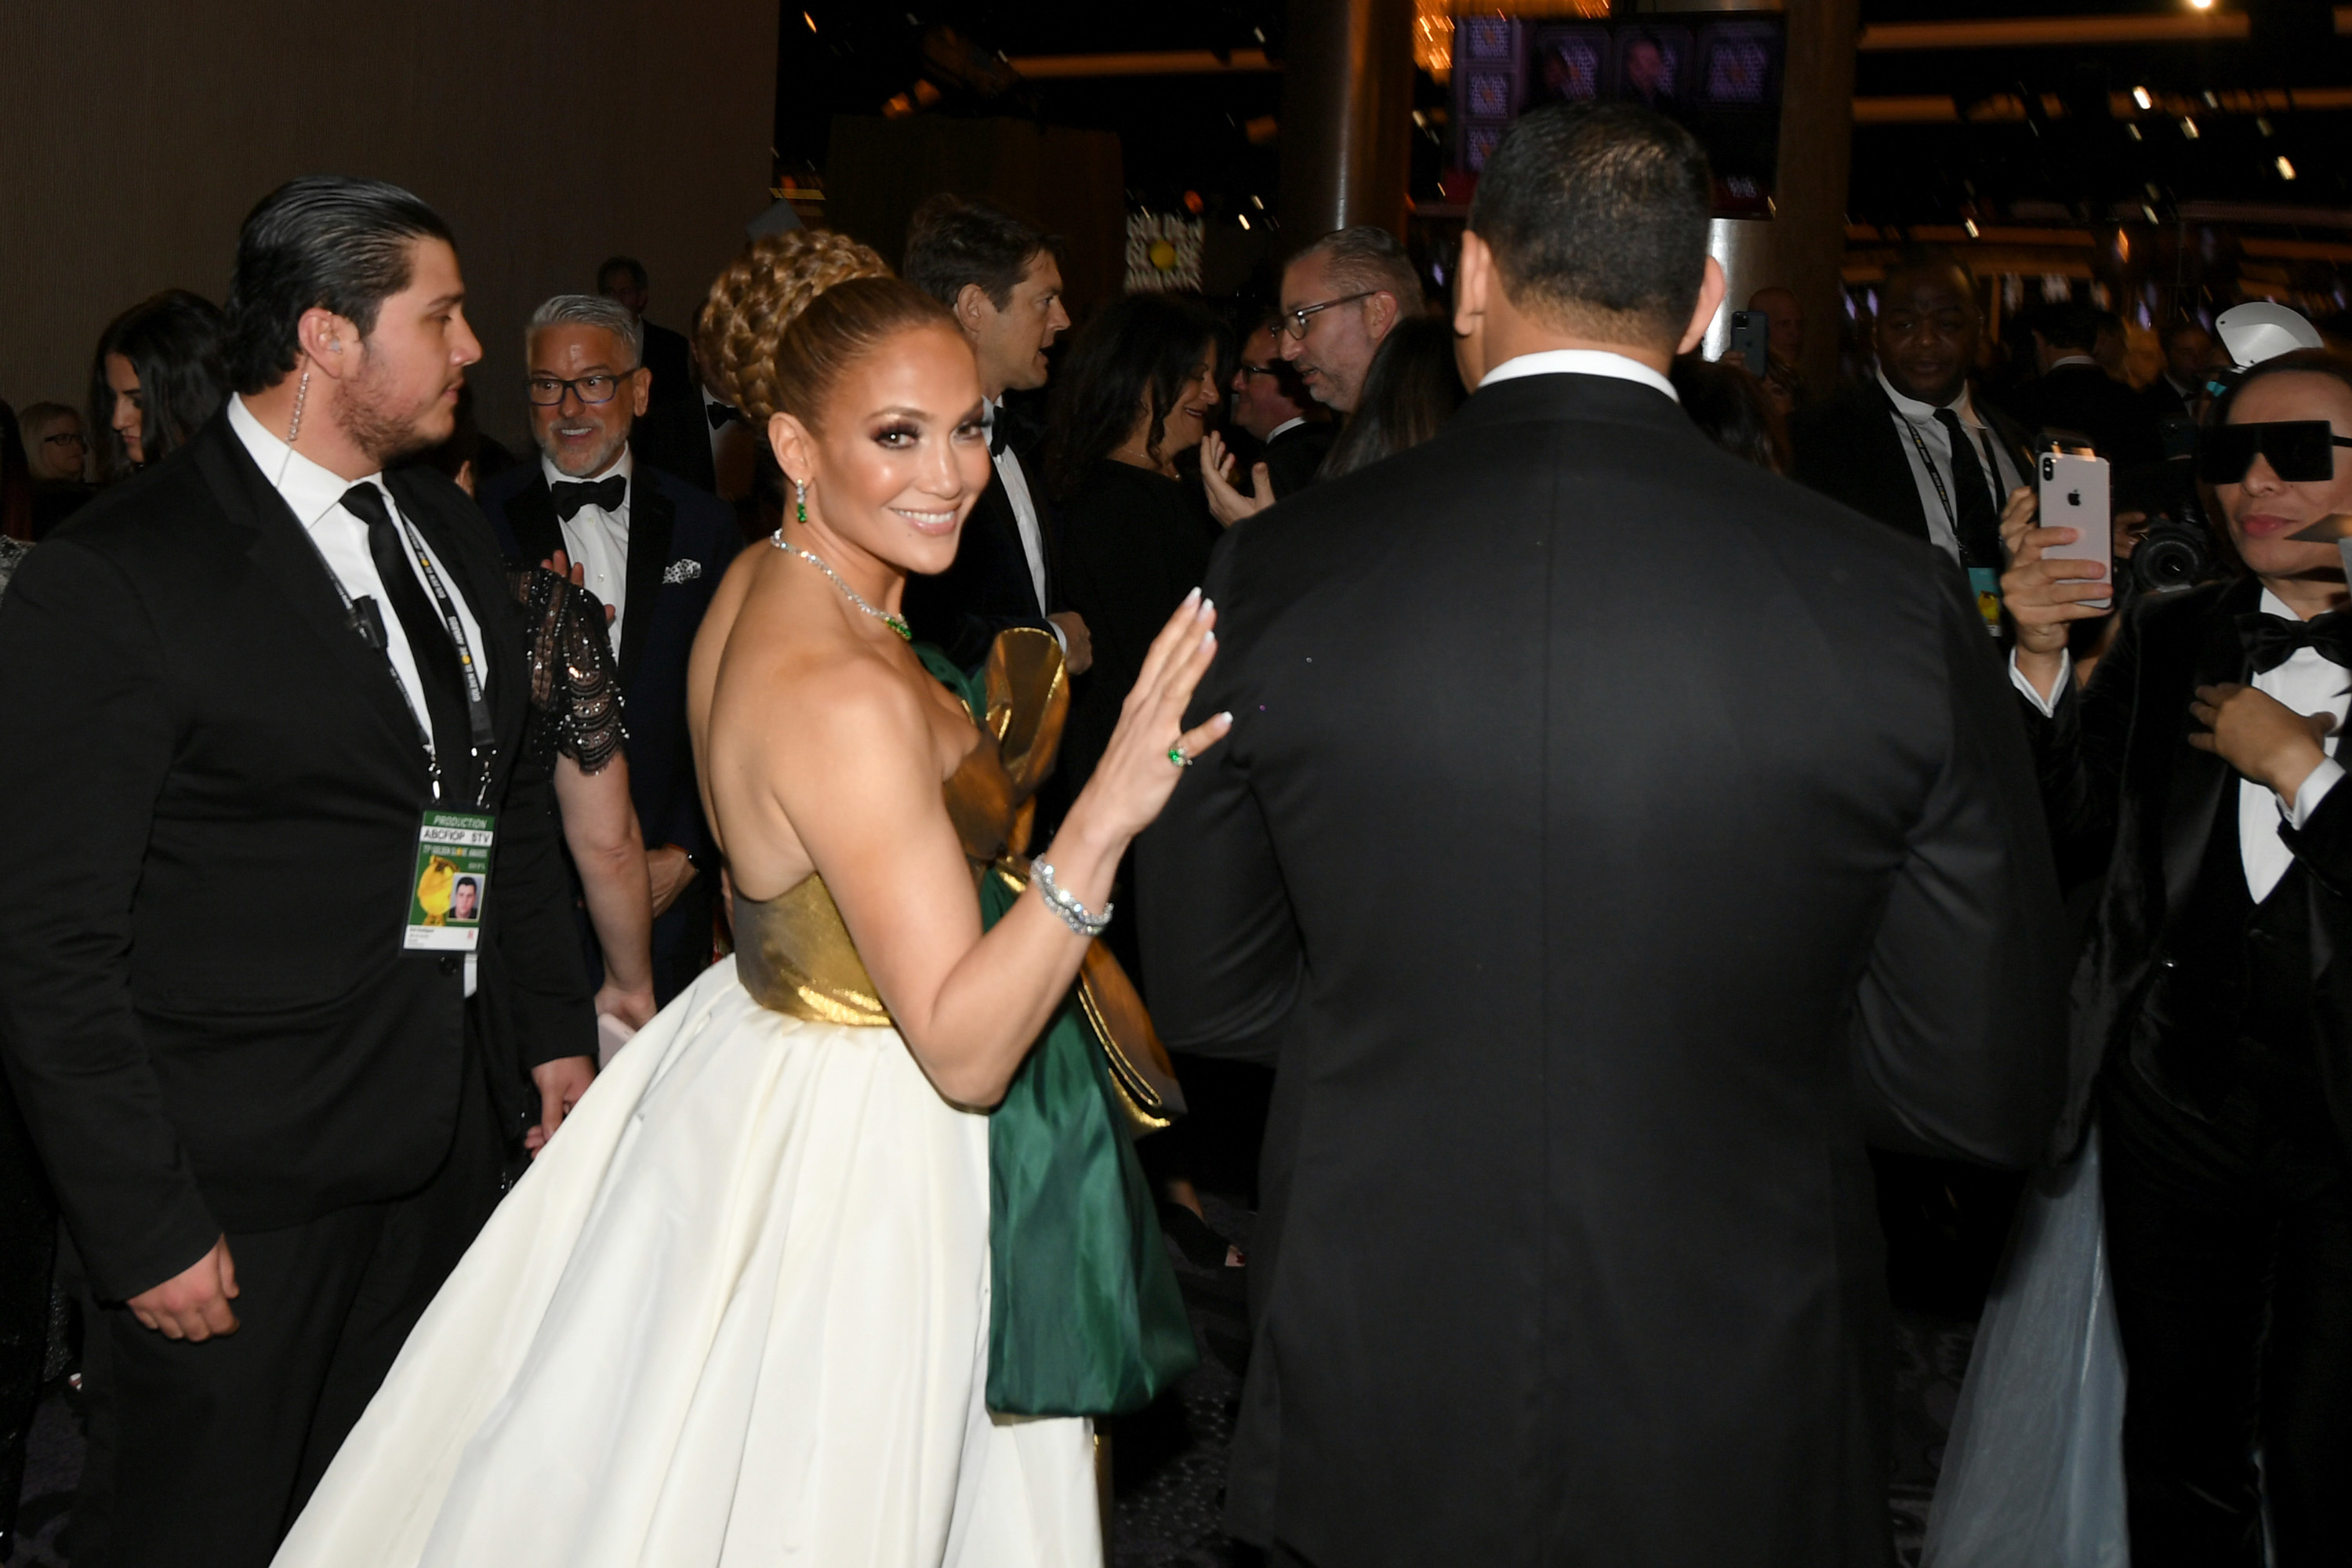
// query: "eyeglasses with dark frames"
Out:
[1294,321]
[1249,369]
[64,438]
[547,391]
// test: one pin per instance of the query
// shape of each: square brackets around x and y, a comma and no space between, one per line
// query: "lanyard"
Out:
[1951,514]
[367,620]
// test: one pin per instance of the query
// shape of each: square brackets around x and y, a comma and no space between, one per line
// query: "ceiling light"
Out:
[2140,97]
[2188,128]
[1245,219]
[2200,5]
[2263,125]
[2147,211]
[2133,130]
[1970,225]
[812,22]
[2286,169]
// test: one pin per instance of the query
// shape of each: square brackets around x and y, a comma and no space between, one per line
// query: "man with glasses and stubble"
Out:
[652,548]
[1341,296]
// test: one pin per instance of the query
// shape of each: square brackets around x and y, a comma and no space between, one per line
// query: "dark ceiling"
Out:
[2068,154]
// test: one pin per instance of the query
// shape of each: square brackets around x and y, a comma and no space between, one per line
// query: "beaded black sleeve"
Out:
[576,689]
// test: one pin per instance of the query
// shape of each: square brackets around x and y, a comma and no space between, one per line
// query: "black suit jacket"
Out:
[1292,458]
[2128,797]
[2087,401]
[988,587]
[213,792]
[1611,839]
[674,437]
[680,541]
[1849,449]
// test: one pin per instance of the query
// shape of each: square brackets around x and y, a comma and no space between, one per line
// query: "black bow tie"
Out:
[722,413]
[605,494]
[996,432]
[2270,640]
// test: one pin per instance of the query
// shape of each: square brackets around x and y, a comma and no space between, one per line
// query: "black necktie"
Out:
[428,641]
[605,494]
[1978,522]
[722,413]
[996,432]
[2270,640]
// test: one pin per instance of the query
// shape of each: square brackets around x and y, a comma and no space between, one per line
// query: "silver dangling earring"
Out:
[301,393]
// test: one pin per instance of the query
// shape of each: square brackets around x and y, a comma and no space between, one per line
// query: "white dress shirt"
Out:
[2307,683]
[316,498]
[1025,514]
[1913,415]
[1579,362]
[598,541]
[1291,424]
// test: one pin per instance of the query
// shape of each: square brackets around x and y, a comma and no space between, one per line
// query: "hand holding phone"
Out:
[2074,494]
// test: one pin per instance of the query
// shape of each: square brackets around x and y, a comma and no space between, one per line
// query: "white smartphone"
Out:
[2074,494]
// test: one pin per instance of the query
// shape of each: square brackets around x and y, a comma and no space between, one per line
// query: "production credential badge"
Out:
[452,885]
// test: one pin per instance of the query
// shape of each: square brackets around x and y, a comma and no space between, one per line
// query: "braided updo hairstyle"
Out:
[793,312]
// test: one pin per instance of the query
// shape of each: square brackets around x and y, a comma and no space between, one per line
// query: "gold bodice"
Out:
[792,952]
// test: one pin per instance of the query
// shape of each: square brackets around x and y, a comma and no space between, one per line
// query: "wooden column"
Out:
[1816,152]
[1347,115]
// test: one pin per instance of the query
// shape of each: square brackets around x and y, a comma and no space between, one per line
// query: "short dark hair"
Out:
[628,264]
[1597,215]
[2066,325]
[1410,391]
[952,242]
[1138,352]
[325,240]
[174,341]
[1922,257]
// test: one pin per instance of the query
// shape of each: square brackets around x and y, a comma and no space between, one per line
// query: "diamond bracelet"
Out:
[1075,915]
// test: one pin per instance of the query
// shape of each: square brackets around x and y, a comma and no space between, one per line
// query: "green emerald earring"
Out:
[800,503]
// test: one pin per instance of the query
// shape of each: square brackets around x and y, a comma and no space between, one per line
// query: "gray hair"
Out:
[1367,258]
[589,311]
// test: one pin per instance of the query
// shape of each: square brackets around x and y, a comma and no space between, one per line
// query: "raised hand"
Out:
[1226,503]
[2259,736]
[1137,772]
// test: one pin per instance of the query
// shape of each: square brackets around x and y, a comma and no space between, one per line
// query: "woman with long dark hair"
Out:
[1410,391]
[1133,537]
[157,377]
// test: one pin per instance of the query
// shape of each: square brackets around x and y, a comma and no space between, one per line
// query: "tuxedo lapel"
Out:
[283,551]
[994,512]
[537,532]
[652,519]
[2197,788]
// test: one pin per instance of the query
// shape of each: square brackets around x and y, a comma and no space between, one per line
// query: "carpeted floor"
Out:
[1168,1462]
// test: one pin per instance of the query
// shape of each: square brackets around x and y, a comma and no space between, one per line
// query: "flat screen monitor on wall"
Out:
[1720,76]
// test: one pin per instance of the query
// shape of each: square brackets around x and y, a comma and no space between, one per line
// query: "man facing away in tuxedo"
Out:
[2193,778]
[652,549]
[1000,278]
[1724,859]
[672,435]
[237,690]
[1340,298]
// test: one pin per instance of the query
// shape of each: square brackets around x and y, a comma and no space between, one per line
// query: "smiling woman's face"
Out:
[1188,420]
[2265,510]
[901,455]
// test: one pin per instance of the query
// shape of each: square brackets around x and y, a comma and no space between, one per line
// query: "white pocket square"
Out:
[682,570]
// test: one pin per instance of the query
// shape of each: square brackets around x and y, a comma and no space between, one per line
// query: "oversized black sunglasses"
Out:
[2301,451]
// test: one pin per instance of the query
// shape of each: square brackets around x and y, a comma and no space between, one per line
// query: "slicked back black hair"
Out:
[324,240]
[1597,216]
[952,242]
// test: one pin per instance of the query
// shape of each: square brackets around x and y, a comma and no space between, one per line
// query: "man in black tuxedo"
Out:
[652,549]
[1568,1254]
[2179,392]
[2213,1006]
[2074,394]
[1912,447]
[1000,278]
[672,435]
[275,1103]
[1292,431]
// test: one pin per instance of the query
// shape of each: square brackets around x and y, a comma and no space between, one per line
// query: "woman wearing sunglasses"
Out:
[2214,1002]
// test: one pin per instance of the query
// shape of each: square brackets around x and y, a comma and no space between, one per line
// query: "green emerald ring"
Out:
[1176,755]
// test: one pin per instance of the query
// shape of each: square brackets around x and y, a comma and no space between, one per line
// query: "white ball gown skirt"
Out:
[736,1314]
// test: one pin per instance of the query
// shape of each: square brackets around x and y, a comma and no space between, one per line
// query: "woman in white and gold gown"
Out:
[738,1311]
